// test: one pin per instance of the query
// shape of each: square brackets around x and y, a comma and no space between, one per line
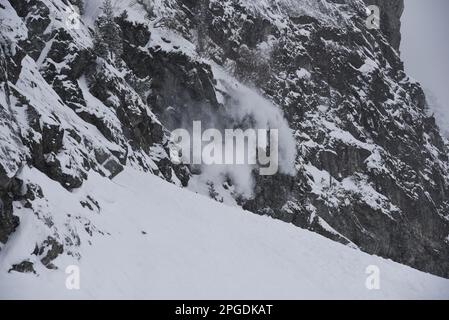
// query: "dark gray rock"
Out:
[390,19]
[48,251]
[114,167]
[414,230]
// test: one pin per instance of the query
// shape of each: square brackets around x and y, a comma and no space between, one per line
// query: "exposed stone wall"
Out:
[391,12]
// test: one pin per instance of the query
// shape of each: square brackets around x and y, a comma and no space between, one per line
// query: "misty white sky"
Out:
[425,50]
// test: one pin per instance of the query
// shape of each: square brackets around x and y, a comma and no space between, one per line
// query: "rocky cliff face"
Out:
[390,15]
[371,168]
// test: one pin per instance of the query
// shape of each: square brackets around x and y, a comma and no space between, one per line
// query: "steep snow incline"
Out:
[440,110]
[93,8]
[154,240]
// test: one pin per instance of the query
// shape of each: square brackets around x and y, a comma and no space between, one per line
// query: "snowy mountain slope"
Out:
[367,165]
[153,240]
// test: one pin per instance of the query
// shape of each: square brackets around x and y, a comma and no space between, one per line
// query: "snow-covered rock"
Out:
[148,239]
[362,161]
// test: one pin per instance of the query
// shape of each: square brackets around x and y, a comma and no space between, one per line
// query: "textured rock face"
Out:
[371,166]
[361,176]
[391,12]
[8,222]
[10,147]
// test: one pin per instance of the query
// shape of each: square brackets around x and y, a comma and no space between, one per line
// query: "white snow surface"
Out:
[153,240]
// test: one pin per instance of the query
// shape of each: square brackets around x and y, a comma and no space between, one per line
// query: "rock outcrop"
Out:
[371,166]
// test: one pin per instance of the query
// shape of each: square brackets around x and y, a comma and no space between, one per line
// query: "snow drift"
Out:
[152,240]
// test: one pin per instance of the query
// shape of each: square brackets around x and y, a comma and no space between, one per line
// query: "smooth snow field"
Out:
[153,240]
